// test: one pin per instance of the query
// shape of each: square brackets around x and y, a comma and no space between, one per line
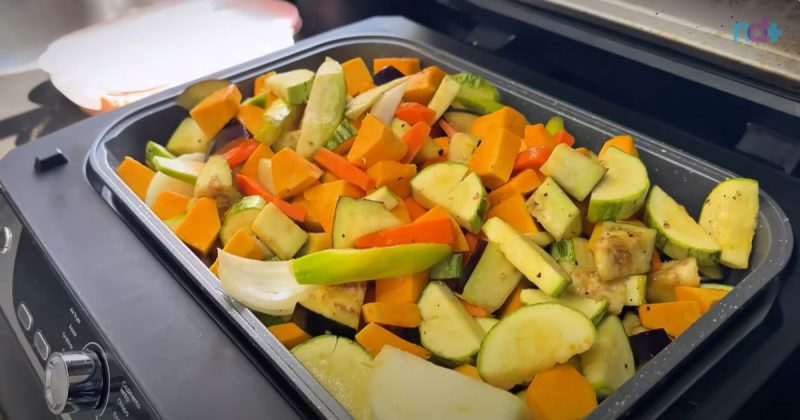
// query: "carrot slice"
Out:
[414,139]
[436,231]
[343,169]
[415,210]
[474,310]
[532,158]
[249,186]
[564,137]
[412,113]
[241,152]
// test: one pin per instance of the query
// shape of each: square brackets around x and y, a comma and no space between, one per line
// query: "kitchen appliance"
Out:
[158,339]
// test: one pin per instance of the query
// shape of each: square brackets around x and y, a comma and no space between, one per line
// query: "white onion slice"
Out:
[386,106]
[265,286]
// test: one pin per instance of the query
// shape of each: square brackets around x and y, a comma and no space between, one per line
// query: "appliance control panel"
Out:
[80,374]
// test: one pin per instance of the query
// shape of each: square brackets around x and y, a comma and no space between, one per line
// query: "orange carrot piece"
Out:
[673,317]
[292,173]
[624,143]
[135,175]
[532,158]
[704,297]
[475,311]
[415,210]
[437,231]
[412,113]
[404,315]
[403,289]
[169,204]
[414,139]
[241,152]
[343,169]
[250,168]
[564,137]
[560,393]
[373,337]
[250,186]
[289,334]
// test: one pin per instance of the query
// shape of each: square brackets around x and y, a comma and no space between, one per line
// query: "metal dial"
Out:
[73,381]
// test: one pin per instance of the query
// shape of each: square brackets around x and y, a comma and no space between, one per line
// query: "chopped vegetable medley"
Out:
[425,250]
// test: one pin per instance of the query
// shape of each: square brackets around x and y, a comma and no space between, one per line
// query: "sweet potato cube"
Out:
[201,226]
[357,77]
[136,176]
[292,173]
[504,118]
[375,142]
[394,175]
[213,112]
[494,159]
[423,85]
[322,200]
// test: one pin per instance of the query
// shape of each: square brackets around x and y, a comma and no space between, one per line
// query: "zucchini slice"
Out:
[593,309]
[355,218]
[241,216]
[730,215]
[679,236]
[622,191]
[492,281]
[530,340]
[609,363]
[447,329]
[342,367]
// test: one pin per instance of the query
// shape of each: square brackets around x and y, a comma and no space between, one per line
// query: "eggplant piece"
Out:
[646,345]
[331,309]
[386,75]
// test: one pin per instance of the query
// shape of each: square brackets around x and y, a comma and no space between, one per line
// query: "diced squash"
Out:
[311,223]
[259,85]
[423,85]
[704,297]
[537,136]
[201,226]
[560,393]
[415,210]
[624,143]
[250,167]
[673,317]
[407,66]
[512,210]
[404,289]
[323,197]
[356,76]
[328,177]
[292,173]
[317,241]
[501,193]
[394,175]
[251,117]
[214,111]
[373,337]
[241,244]
[494,159]
[526,181]
[389,313]
[506,118]
[513,302]
[438,212]
[136,176]
[169,204]
[470,371]
[375,142]
[289,334]
[401,212]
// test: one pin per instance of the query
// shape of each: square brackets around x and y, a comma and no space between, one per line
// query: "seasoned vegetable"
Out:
[609,363]
[331,309]
[293,87]
[492,281]
[554,210]
[447,329]
[574,172]
[622,191]
[673,317]
[530,340]
[324,110]
[215,110]
[661,284]
[621,249]
[729,215]
[560,393]
[593,309]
